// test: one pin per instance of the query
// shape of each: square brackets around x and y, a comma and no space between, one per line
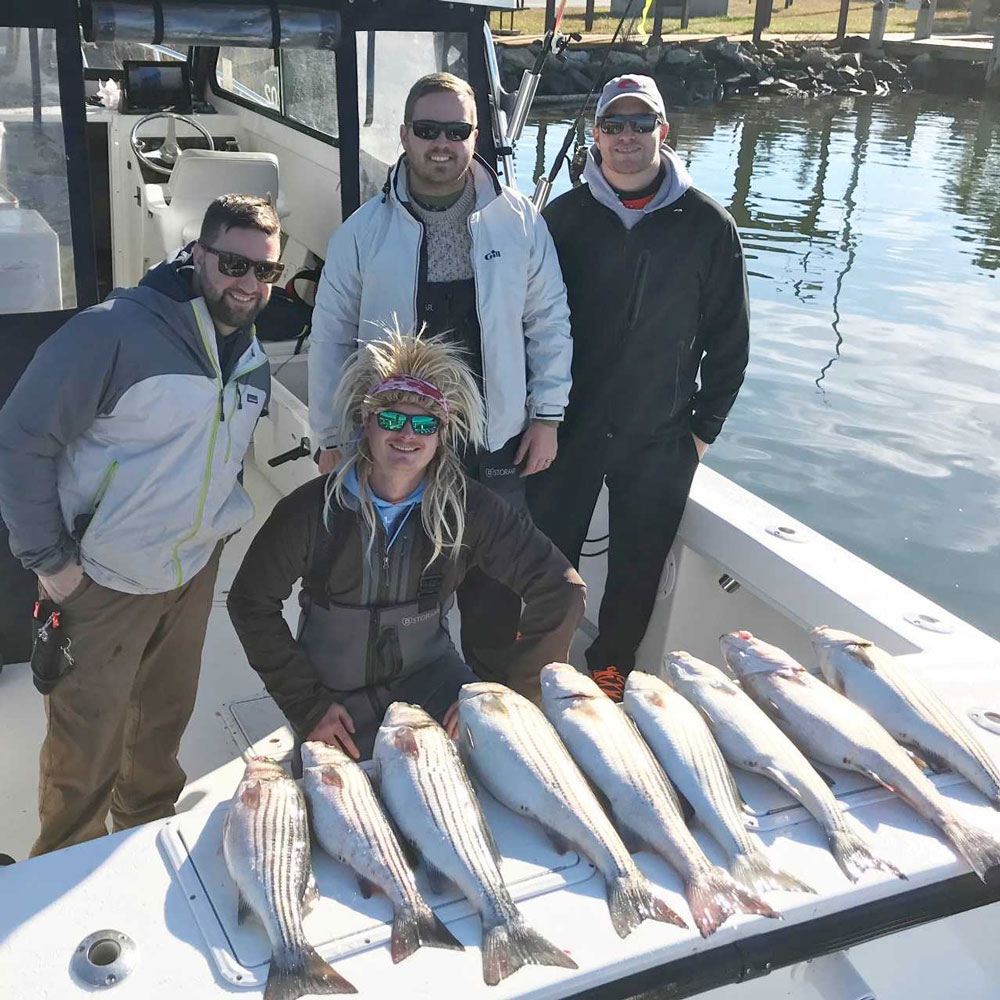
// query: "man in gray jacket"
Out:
[121,450]
[447,248]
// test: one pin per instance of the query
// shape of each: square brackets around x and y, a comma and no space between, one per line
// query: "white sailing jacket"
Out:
[370,281]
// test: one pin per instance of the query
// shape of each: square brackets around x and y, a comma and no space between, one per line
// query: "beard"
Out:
[224,309]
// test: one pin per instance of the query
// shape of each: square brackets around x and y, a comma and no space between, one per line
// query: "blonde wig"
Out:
[442,508]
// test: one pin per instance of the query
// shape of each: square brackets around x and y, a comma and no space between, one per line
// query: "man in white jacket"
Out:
[446,247]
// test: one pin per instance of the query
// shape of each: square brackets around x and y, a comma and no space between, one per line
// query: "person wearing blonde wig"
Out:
[381,544]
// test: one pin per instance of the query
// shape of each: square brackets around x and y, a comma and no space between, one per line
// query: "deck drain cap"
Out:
[103,959]
[929,623]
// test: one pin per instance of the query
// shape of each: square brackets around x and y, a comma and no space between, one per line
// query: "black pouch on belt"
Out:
[51,659]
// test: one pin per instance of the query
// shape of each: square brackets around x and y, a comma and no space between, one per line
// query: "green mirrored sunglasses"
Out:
[422,423]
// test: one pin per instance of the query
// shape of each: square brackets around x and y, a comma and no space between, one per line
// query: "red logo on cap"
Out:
[626,82]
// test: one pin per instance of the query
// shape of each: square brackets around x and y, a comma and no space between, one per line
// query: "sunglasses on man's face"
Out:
[235,265]
[422,423]
[642,124]
[453,131]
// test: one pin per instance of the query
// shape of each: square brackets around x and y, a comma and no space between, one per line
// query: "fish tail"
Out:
[756,871]
[980,849]
[416,925]
[631,900]
[507,946]
[854,856]
[299,971]
[714,896]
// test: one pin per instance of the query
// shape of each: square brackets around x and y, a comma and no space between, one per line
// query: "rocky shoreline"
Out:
[709,72]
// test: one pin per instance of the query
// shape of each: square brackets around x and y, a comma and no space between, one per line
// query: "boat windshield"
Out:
[36,246]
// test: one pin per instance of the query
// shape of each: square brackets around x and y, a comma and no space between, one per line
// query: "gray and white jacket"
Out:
[370,281]
[122,444]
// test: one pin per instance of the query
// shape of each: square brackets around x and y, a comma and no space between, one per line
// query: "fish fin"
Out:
[301,972]
[859,651]
[251,795]
[332,776]
[310,891]
[854,856]
[415,926]
[757,872]
[243,908]
[979,848]
[406,742]
[466,746]
[631,900]
[365,886]
[436,879]
[926,760]
[509,946]
[714,896]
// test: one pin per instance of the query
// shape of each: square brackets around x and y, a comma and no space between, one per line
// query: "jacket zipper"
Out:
[102,488]
[479,320]
[105,484]
[207,477]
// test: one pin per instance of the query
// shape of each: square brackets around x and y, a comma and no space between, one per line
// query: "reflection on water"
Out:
[871,409]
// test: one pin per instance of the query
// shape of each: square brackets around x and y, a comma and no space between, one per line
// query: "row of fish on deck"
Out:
[600,781]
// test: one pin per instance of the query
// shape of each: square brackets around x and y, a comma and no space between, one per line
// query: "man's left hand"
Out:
[450,722]
[538,447]
[700,446]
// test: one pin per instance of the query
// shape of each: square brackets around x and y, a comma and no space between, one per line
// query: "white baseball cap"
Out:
[630,85]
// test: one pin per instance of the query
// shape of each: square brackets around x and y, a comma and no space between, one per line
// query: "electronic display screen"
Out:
[155,86]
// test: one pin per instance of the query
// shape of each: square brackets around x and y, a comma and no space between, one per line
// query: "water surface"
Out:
[871,409]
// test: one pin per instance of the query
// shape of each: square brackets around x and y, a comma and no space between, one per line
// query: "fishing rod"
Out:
[544,186]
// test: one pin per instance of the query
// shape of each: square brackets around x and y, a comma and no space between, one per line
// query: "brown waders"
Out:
[115,722]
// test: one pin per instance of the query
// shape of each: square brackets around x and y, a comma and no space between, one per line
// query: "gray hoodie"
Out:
[675,183]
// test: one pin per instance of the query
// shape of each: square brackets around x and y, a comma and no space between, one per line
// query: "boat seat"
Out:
[177,208]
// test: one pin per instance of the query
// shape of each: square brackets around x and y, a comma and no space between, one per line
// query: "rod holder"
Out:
[525,98]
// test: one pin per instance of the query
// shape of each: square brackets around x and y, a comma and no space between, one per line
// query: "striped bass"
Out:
[682,742]
[749,740]
[911,711]
[265,840]
[609,749]
[428,793]
[350,825]
[514,751]
[833,730]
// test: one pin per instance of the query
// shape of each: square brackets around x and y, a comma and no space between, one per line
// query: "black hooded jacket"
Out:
[650,306]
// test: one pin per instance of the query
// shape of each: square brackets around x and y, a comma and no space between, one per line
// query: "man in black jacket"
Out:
[658,298]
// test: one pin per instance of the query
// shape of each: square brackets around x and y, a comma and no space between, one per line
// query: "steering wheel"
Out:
[162,160]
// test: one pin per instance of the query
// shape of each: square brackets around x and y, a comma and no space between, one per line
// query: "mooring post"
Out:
[993,63]
[685,14]
[657,37]
[925,19]
[761,19]
[880,16]
[588,16]
[842,20]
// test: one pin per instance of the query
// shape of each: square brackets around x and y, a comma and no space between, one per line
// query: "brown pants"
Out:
[115,723]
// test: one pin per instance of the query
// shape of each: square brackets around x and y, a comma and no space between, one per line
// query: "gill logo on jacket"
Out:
[492,255]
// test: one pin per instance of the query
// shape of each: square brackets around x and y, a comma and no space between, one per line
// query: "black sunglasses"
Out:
[235,265]
[453,131]
[642,124]
[423,424]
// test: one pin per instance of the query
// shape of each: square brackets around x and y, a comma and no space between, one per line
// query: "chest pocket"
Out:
[243,405]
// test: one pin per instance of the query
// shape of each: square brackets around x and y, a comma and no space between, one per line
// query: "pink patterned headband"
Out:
[410,383]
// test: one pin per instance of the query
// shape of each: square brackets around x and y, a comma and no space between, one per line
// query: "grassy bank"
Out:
[804,17]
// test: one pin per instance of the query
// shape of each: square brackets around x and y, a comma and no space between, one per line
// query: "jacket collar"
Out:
[488,186]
